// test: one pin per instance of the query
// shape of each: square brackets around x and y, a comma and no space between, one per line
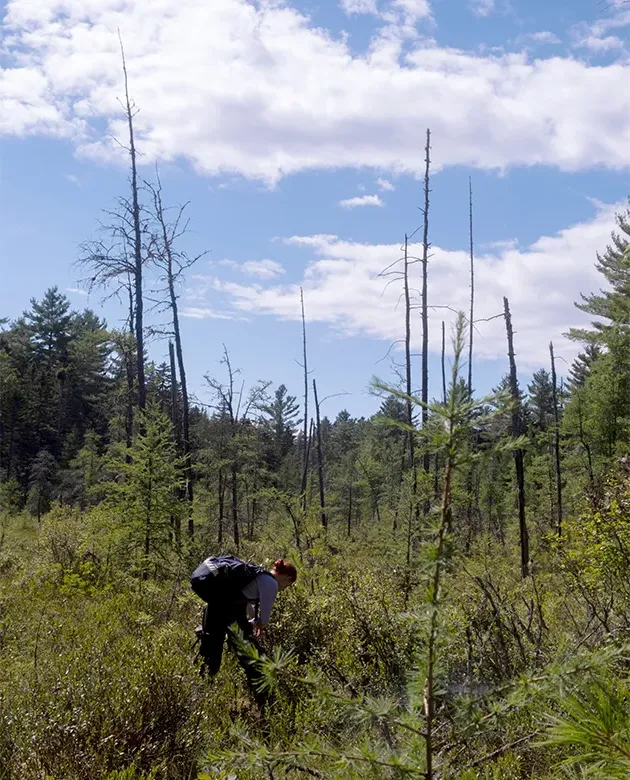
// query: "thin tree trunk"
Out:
[320,461]
[409,405]
[471,472]
[127,356]
[307,455]
[429,685]
[174,403]
[234,486]
[221,508]
[373,491]
[305,438]
[585,444]
[426,460]
[472,293]
[518,453]
[175,522]
[443,361]
[185,439]
[350,512]
[137,244]
[556,416]
[254,509]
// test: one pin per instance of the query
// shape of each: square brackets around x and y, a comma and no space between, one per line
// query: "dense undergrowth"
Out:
[98,680]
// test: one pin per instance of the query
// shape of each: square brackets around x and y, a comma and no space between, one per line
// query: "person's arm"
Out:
[267,592]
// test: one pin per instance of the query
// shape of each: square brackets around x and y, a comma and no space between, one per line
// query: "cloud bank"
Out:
[343,288]
[258,90]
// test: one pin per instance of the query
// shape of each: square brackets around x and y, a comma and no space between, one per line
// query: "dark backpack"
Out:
[223,575]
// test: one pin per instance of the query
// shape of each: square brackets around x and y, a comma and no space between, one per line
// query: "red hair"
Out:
[287,568]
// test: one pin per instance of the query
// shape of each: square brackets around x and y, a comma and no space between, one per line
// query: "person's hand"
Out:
[258,631]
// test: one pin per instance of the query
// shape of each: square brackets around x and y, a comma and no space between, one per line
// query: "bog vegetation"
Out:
[463,603]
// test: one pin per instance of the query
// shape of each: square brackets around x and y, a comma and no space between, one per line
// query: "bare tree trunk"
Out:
[305,437]
[221,508]
[443,361]
[167,241]
[254,509]
[472,294]
[174,393]
[175,522]
[471,530]
[129,376]
[584,442]
[234,486]
[403,457]
[320,461]
[556,415]
[350,511]
[307,458]
[409,405]
[137,245]
[426,460]
[518,453]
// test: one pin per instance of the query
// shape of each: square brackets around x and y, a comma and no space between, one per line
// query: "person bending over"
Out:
[238,594]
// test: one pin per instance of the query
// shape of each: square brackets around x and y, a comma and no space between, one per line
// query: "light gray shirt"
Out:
[263,589]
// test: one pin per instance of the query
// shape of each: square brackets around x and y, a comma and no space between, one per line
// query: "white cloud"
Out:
[385,186]
[595,37]
[544,36]
[413,9]
[73,179]
[342,288]
[362,200]
[76,291]
[502,245]
[263,269]
[358,6]
[256,90]
[600,45]
[482,7]
[205,313]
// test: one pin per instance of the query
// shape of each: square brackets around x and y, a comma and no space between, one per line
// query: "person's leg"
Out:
[250,666]
[214,627]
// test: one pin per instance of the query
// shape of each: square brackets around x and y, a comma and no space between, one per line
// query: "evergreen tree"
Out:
[541,400]
[582,366]
[49,323]
[143,495]
[281,420]
[42,483]
[612,305]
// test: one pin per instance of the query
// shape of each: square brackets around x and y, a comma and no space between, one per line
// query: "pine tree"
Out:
[49,322]
[142,497]
[42,483]
[281,420]
[582,366]
[541,400]
[614,304]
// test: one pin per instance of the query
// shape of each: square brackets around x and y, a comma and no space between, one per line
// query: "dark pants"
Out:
[218,621]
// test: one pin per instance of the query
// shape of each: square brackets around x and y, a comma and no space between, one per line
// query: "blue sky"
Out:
[296,131]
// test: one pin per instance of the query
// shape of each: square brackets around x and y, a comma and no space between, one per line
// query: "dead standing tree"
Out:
[173,263]
[517,430]
[306,442]
[470,476]
[471,321]
[320,462]
[426,458]
[556,415]
[136,244]
[117,261]
[231,404]
[393,271]
[408,385]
